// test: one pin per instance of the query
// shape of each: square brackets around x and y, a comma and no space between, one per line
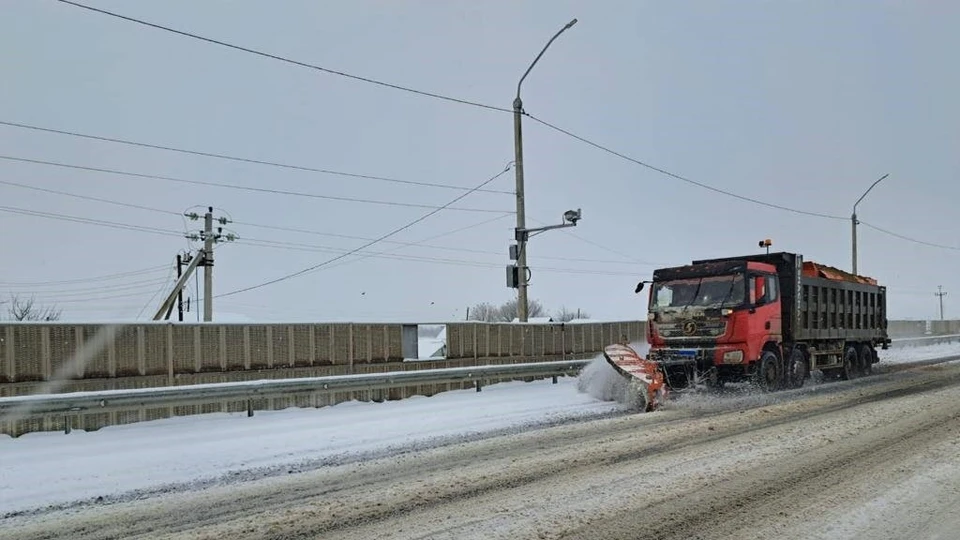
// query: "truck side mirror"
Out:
[639,287]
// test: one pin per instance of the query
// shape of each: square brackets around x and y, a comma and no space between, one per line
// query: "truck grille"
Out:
[692,329]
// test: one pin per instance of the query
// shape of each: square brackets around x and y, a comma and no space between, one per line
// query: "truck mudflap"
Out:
[644,374]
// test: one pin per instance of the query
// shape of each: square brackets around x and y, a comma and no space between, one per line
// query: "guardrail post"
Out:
[66,425]
[249,408]
[479,385]
[554,379]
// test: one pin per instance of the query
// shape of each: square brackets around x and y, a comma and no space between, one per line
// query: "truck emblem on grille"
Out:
[689,328]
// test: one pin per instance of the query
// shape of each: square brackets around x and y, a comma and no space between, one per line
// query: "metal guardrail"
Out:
[925,340]
[101,401]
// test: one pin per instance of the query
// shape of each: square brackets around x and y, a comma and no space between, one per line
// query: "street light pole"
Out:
[518,168]
[853,222]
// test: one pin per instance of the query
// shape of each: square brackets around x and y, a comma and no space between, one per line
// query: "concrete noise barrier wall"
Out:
[39,351]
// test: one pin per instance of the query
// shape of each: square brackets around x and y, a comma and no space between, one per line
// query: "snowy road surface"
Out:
[870,457]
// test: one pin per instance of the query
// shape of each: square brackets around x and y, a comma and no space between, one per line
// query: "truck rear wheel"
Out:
[867,355]
[851,363]
[797,368]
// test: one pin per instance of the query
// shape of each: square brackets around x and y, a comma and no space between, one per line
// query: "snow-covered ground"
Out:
[52,469]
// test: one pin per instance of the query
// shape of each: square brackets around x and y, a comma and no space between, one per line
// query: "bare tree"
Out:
[505,312]
[484,311]
[565,315]
[28,310]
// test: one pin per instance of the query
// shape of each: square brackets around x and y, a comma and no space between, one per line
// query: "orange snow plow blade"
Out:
[645,374]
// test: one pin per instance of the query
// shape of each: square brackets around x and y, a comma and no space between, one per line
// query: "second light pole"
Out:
[518,167]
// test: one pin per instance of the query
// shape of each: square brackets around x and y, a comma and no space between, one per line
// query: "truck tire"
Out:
[867,356]
[851,363]
[797,368]
[768,372]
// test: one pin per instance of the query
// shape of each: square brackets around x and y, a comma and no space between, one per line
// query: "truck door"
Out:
[766,324]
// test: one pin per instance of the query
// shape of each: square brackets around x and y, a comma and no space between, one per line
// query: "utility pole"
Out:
[209,237]
[521,267]
[854,223]
[180,292]
[208,265]
[940,292]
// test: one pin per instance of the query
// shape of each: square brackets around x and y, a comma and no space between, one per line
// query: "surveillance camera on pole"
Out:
[572,216]
[517,275]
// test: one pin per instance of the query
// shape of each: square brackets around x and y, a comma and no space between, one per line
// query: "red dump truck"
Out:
[769,318]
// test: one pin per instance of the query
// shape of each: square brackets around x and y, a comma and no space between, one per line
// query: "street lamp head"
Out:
[572,216]
[873,185]
[517,104]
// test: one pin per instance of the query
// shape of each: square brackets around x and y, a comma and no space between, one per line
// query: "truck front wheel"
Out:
[768,372]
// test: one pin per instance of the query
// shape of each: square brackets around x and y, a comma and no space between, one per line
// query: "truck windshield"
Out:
[706,292]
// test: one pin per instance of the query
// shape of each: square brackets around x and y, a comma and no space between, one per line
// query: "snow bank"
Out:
[51,468]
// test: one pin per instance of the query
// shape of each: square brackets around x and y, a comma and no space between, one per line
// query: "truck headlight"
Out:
[733,357]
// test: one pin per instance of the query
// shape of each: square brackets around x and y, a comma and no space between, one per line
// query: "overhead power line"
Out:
[169,281]
[88,291]
[366,245]
[107,277]
[243,159]
[272,243]
[447,98]
[288,60]
[632,260]
[677,176]
[421,244]
[88,197]
[89,221]
[908,239]
[386,255]
[240,188]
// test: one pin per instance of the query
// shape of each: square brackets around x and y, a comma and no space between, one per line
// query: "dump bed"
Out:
[825,303]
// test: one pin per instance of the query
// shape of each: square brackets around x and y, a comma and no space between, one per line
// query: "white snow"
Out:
[53,469]
[900,355]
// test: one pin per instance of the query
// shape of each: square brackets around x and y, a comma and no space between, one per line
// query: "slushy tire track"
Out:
[390,493]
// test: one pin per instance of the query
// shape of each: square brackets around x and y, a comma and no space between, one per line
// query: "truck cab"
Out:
[710,322]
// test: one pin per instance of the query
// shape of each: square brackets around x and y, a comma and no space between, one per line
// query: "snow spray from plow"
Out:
[622,374]
[644,376]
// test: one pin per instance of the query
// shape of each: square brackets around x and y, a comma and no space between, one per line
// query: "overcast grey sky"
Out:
[801,104]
